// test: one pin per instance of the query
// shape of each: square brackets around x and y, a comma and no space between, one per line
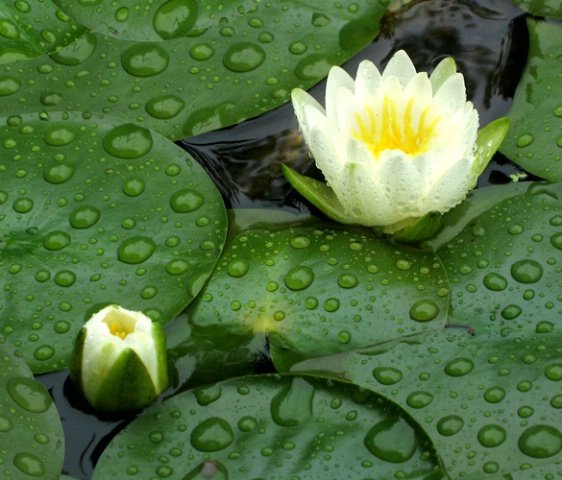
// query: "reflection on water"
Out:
[488,40]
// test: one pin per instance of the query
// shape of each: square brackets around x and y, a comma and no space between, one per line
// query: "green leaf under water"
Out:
[95,212]
[541,8]
[535,139]
[30,426]
[270,427]
[180,68]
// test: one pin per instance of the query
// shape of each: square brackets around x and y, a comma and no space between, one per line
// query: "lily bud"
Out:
[119,360]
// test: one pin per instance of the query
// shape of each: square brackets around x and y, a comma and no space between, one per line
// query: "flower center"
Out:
[391,130]
[120,324]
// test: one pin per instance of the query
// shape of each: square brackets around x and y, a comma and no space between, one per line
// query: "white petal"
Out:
[442,72]
[301,100]
[368,80]
[338,79]
[348,106]
[451,97]
[326,149]
[419,88]
[401,67]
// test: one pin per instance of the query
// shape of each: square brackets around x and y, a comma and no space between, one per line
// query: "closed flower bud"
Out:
[119,360]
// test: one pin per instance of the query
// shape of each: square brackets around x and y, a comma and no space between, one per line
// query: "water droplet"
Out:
[511,311]
[293,404]
[175,18]
[208,469]
[128,141]
[525,411]
[459,367]
[491,436]
[525,140]
[133,187]
[516,229]
[494,394]
[62,326]
[544,327]
[136,250]
[540,441]
[65,278]
[207,395]
[419,399]
[556,401]
[42,276]
[59,173]
[424,310]
[165,106]
[554,372]
[313,67]
[23,205]
[29,464]
[211,435]
[243,57]
[44,352]
[344,337]
[186,200]
[237,268]
[177,267]
[298,48]
[84,217]
[77,52]
[331,304]
[29,394]
[387,375]
[201,51]
[247,424]
[491,467]
[299,242]
[392,440]
[450,425]
[495,282]
[556,240]
[527,271]
[5,424]
[347,280]
[56,240]
[299,278]
[9,86]
[145,60]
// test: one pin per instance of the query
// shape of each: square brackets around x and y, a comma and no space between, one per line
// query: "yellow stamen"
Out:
[120,324]
[394,131]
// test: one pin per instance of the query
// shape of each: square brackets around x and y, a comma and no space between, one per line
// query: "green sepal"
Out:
[126,386]
[488,142]
[319,194]
[161,357]
[424,228]
[76,358]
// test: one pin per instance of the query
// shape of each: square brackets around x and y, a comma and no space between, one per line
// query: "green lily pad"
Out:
[490,404]
[30,426]
[235,60]
[535,139]
[30,29]
[270,427]
[505,268]
[316,289]
[93,212]
[541,8]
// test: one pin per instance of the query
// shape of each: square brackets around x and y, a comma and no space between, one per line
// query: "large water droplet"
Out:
[29,394]
[450,425]
[527,271]
[293,404]
[299,242]
[59,173]
[175,18]
[540,441]
[494,394]
[186,200]
[387,375]
[56,240]
[128,141]
[243,57]
[392,440]
[84,217]
[491,436]
[525,140]
[347,280]
[424,310]
[165,106]
[419,399]
[136,250]
[554,372]
[133,187]
[9,86]
[495,282]
[77,52]
[65,278]
[459,367]
[299,278]
[29,464]
[556,240]
[211,435]
[59,136]
[237,268]
[145,60]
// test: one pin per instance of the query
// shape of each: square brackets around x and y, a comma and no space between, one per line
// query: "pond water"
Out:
[488,40]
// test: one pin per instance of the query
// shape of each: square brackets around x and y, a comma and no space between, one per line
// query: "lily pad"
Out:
[541,8]
[236,60]
[316,289]
[270,427]
[490,404]
[95,212]
[30,29]
[505,268]
[535,139]
[30,426]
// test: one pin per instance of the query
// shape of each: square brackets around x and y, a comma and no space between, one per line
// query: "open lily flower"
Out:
[119,360]
[393,146]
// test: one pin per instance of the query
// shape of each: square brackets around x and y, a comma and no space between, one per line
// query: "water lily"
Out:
[395,147]
[119,360]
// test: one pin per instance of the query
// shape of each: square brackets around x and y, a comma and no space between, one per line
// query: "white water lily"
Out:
[119,360]
[393,146]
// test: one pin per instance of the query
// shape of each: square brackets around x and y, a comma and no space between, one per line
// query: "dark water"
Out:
[488,40]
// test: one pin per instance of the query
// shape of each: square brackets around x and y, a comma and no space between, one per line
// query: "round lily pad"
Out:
[270,427]
[30,426]
[93,212]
